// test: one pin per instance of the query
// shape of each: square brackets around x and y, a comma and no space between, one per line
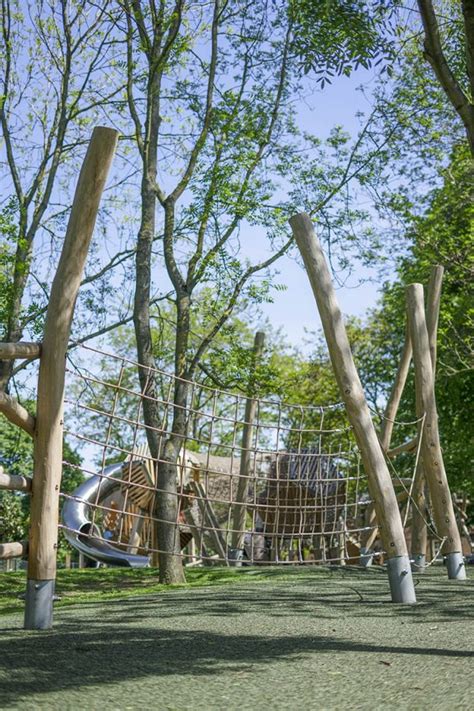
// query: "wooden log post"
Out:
[15,482]
[369,535]
[239,508]
[8,551]
[380,484]
[432,457]
[17,414]
[48,441]
[21,349]
[419,530]
[395,396]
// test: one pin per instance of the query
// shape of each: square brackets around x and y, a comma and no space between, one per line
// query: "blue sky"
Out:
[294,310]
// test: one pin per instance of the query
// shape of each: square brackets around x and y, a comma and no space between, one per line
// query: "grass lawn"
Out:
[298,638]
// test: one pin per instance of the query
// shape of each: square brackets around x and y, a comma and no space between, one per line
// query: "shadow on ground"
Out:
[206,633]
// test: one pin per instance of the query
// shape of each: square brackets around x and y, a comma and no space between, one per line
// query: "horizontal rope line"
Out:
[193,383]
[212,418]
[83,438]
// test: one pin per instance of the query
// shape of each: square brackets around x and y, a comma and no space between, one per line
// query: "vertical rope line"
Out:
[417,459]
[107,441]
[125,496]
[276,511]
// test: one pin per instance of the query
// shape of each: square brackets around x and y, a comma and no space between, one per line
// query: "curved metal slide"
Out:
[79,529]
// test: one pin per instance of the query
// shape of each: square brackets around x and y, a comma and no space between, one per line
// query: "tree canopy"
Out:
[212,161]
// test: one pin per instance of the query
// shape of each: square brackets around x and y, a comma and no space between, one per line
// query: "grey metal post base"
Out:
[366,557]
[401,580]
[418,563]
[235,557]
[39,604]
[455,566]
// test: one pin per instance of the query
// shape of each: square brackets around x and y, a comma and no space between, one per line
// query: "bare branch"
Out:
[254,164]
[106,329]
[6,35]
[207,340]
[186,177]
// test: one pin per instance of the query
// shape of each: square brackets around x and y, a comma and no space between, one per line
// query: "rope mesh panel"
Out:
[298,493]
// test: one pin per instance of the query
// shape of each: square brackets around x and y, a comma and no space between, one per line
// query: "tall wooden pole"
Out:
[368,537]
[395,396]
[433,465]
[419,530]
[240,509]
[48,439]
[380,483]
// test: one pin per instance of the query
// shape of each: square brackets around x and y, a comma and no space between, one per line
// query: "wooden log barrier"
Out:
[375,466]
[432,457]
[49,418]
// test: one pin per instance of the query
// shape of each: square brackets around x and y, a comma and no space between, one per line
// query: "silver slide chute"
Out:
[79,530]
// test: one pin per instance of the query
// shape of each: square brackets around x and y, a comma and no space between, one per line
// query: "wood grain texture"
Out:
[17,414]
[49,429]
[419,530]
[14,482]
[431,454]
[19,549]
[380,484]
[22,349]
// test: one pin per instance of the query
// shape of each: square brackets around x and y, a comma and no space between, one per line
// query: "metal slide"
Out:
[78,526]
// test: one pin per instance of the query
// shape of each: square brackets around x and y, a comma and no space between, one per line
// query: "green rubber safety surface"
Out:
[295,639]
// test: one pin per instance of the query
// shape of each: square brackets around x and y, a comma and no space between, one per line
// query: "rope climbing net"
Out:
[255,479]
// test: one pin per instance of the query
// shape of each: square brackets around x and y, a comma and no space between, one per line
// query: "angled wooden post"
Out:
[433,465]
[239,508]
[391,409]
[380,484]
[48,440]
[419,530]
[396,393]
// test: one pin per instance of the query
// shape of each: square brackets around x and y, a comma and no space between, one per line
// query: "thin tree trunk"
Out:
[434,54]
[171,567]
[13,328]
[141,316]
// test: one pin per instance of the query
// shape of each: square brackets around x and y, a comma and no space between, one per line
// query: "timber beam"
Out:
[22,349]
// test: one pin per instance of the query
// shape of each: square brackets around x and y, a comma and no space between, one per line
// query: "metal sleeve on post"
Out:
[366,557]
[418,564]
[401,581]
[39,604]
[456,567]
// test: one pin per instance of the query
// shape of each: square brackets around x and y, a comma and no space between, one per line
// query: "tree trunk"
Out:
[141,317]
[13,328]
[141,320]
[167,511]
[445,74]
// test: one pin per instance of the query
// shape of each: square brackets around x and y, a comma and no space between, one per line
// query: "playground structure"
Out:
[300,481]
[257,481]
